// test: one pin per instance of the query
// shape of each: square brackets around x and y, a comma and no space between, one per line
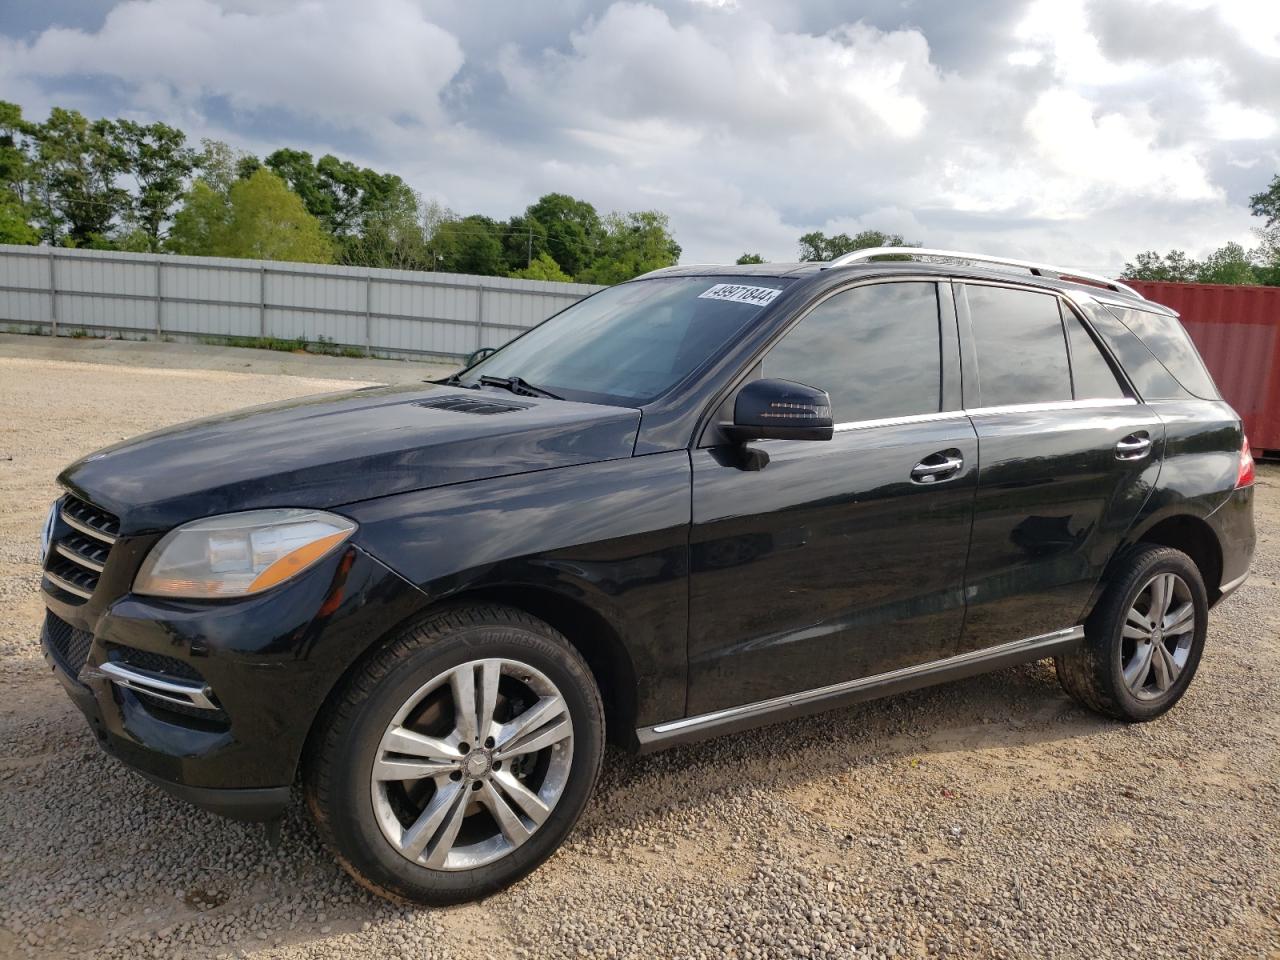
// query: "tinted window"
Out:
[1091,374]
[1021,351]
[875,349]
[1165,337]
[1148,374]
[632,342]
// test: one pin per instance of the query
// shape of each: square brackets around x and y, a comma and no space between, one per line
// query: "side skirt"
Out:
[733,719]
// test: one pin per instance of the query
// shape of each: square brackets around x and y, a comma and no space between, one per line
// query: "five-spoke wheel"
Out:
[1158,630]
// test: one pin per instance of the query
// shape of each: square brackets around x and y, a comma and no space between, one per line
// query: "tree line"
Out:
[122,185]
[1230,263]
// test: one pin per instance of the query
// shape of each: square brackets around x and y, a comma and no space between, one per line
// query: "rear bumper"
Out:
[267,662]
[1233,524]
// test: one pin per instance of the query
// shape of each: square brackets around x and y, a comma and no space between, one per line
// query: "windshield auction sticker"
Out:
[737,293]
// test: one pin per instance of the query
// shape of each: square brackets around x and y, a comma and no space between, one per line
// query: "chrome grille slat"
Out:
[83,527]
[71,553]
[67,585]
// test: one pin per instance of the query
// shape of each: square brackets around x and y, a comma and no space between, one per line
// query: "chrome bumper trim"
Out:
[183,692]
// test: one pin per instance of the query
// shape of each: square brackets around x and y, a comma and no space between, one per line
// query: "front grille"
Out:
[81,547]
[154,663]
[68,646]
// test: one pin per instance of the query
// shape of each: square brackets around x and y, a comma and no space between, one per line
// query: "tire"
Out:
[404,713]
[1119,673]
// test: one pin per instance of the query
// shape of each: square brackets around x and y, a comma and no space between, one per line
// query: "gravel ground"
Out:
[985,818]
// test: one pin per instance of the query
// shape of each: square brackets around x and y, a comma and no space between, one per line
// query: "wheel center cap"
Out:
[477,764]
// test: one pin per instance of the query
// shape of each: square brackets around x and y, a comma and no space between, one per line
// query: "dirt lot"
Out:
[989,817]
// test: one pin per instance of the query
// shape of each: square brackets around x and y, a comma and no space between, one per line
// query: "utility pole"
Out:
[529,254]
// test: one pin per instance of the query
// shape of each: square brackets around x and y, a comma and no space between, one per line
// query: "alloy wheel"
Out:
[472,764]
[1158,632]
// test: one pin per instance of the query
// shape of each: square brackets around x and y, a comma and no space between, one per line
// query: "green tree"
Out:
[269,222]
[76,170]
[1230,263]
[524,240]
[573,230]
[747,258]
[15,175]
[470,245]
[200,225]
[1175,266]
[13,220]
[632,244]
[1267,203]
[542,268]
[817,246]
[160,161]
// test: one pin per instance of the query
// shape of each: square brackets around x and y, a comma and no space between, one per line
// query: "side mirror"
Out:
[780,410]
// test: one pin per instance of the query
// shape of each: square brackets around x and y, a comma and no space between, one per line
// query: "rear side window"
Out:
[1166,338]
[1019,345]
[1152,380]
[875,349]
[1091,375]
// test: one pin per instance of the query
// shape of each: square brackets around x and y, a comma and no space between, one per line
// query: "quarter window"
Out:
[1020,348]
[875,349]
[1091,375]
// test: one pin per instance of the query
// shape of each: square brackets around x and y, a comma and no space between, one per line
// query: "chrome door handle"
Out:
[939,466]
[1133,447]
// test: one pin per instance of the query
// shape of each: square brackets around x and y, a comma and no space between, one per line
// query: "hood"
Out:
[332,449]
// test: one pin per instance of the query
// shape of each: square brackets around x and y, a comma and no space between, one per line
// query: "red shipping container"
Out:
[1236,328]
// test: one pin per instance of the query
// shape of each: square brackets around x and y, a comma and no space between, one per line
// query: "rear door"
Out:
[816,562]
[1068,456]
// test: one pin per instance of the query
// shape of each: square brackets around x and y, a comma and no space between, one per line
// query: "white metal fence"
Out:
[393,312]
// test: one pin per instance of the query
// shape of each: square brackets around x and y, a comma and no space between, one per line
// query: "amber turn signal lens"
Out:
[295,562]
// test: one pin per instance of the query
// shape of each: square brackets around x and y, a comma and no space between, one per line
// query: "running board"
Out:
[818,699]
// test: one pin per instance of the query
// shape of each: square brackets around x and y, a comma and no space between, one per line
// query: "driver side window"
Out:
[875,349]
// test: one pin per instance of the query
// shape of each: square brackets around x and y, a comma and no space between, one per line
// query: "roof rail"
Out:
[1038,269]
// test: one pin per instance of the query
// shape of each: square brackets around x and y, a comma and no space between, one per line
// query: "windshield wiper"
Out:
[519,387]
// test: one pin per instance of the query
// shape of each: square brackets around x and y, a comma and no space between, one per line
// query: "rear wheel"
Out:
[459,758]
[1144,641]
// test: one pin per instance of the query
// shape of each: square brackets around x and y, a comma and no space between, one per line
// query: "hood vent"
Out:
[482,408]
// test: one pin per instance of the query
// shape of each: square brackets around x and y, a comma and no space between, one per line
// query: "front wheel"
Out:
[1144,640]
[458,759]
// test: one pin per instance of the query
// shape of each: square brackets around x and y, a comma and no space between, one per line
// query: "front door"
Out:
[815,562]
[1068,458]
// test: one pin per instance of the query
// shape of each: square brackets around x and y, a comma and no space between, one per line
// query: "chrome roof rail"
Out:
[1038,269]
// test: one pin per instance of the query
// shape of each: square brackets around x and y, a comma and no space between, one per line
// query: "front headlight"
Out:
[239,554]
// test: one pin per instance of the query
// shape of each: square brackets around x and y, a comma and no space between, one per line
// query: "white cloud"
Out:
[1086,130]
[360,65]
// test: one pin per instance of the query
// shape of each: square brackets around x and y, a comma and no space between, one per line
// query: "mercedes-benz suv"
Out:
[702,500]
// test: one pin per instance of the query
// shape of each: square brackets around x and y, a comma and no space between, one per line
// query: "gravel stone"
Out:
[988,818]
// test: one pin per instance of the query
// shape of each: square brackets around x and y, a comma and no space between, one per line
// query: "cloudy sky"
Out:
[1078,131]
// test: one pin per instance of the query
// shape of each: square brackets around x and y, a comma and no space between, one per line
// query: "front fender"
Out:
[613,536]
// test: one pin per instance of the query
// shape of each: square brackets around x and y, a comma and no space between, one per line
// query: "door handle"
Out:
[1134,447]
[938,467]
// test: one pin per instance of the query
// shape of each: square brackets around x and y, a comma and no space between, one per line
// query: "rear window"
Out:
[1168,341]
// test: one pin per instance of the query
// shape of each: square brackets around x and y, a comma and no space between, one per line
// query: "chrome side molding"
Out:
[183,692]
[1022,649]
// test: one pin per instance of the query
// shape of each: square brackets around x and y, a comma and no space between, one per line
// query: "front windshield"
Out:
[633,342]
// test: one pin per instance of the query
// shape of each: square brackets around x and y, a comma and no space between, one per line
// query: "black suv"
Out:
[706,499]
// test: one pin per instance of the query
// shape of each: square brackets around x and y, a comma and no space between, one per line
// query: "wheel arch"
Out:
[589,631]
[1188,532]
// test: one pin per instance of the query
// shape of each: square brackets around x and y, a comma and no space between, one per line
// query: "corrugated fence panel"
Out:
[1237,331]
[387,311]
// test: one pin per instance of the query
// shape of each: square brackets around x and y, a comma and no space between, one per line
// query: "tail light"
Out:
[1245,477]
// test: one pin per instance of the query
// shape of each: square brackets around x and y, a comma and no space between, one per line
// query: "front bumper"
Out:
[267,663]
